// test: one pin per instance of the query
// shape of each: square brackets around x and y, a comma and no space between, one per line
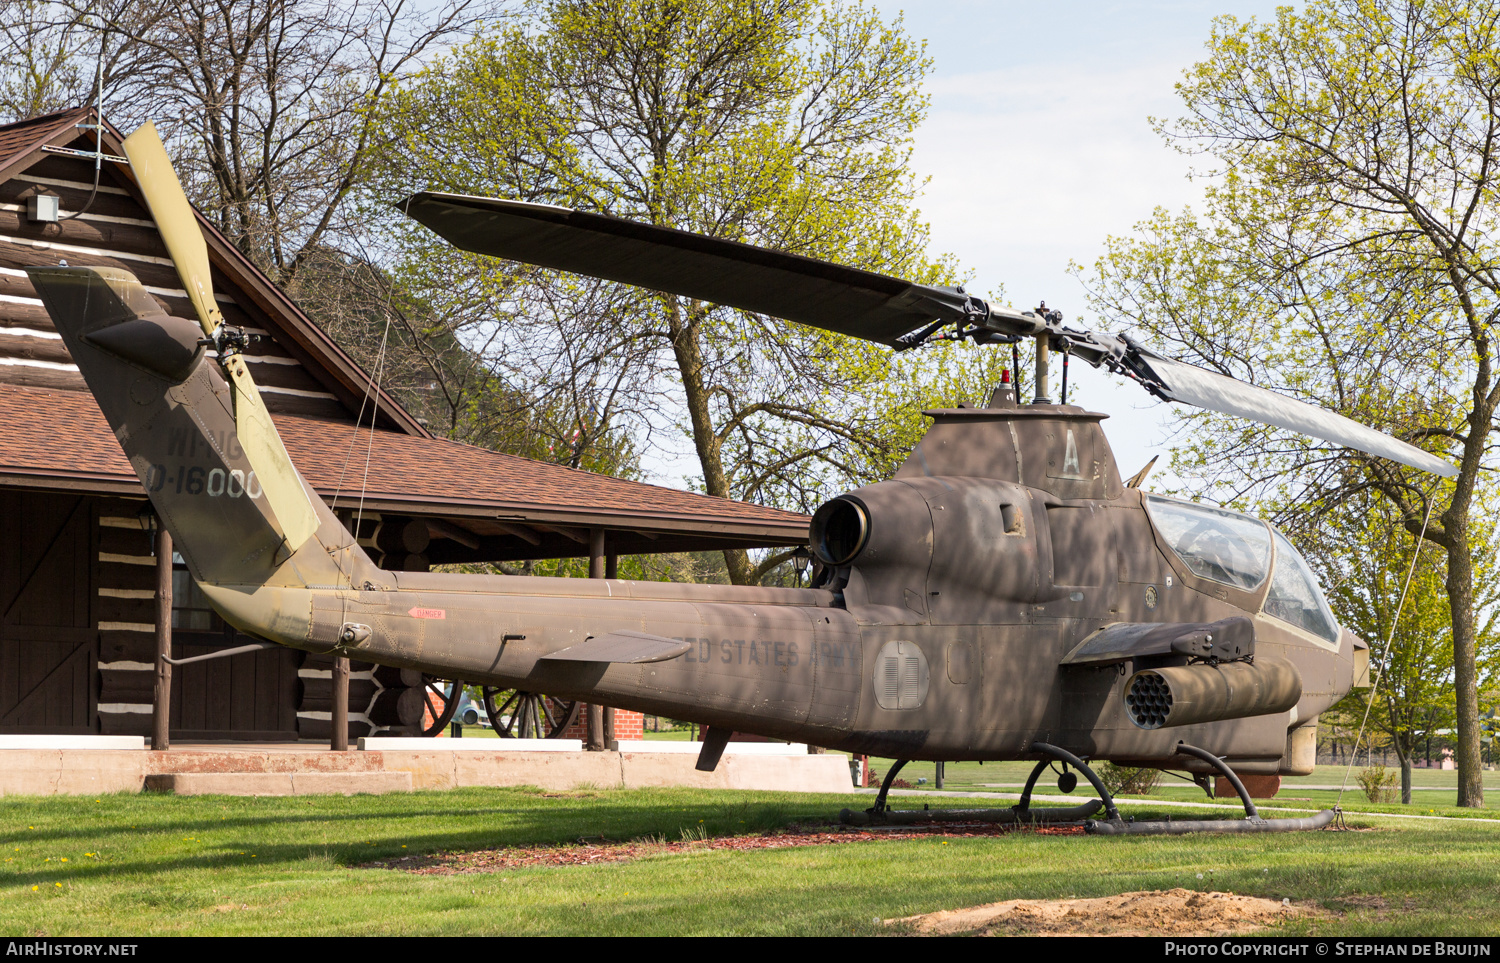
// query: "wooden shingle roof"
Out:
[60,439]
[52,434]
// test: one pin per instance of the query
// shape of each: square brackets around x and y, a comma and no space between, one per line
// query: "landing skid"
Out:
[1252,823]
[881,814]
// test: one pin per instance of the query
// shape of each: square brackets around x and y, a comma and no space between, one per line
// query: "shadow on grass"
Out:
[150,834]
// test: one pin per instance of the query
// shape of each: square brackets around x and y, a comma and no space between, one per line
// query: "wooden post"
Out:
[161,698]
[339,741]
[596,728]
[597,725]
[596,553]
[611,566]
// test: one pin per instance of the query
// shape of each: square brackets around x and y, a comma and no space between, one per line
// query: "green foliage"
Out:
[1347,255]
[1378,784]
[782,123]
[1365,557]
[1127,780]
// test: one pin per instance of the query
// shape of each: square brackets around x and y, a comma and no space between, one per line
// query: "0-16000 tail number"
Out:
[197,480]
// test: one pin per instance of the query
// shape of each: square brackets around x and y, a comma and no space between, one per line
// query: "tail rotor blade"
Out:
[258,437]
[175,220]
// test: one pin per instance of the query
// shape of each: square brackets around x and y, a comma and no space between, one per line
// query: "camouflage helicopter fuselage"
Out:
[960,614]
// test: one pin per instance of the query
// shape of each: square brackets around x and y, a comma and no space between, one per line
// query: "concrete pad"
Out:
[100,770]
[428,768]
[30,772]
[20,741]
[821,773]
[642,770]
[562,770]
[471,745]
[45,772]
[279,783]
[267,771]
[222,783]
[274,760]
[737,748]
[349,783]
[780,773]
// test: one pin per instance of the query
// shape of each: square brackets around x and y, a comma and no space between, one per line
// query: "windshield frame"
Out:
[1309,578]
[1197,567]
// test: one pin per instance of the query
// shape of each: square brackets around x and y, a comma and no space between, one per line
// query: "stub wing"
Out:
[1227,640]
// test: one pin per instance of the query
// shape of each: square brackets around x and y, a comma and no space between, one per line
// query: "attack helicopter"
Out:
[1004,596]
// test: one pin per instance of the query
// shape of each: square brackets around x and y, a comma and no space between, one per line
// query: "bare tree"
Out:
[41,70]
[269,106]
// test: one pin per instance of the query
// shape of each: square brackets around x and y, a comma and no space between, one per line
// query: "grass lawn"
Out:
[157,864]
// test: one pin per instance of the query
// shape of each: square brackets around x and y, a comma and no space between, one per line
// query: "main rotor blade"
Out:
[838,298]
[184,240]
[1207,389]
[812,292]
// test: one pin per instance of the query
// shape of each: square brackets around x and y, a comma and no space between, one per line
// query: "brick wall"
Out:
[628,725]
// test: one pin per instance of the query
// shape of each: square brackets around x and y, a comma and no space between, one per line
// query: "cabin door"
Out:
[48,643]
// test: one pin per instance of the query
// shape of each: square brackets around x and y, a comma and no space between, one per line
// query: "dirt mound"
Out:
[1173,912]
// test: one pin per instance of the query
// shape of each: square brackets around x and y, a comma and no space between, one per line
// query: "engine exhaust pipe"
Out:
[1189,694]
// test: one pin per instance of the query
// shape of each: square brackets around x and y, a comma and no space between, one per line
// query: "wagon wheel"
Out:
[527,715]
[440,699]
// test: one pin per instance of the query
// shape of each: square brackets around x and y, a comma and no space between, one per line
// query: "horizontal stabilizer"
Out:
[1225,640]
[623,646]
[817,293]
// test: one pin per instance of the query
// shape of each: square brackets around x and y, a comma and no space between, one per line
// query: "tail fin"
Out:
[172,410]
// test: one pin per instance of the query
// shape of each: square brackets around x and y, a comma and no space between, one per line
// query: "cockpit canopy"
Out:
[1239,551]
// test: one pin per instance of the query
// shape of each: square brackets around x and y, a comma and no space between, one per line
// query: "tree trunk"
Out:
[1460,585]
[689,354]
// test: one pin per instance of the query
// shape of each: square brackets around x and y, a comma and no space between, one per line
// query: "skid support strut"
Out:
[885,785]
[1064,755]
[881,814]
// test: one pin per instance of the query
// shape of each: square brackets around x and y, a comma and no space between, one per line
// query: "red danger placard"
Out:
[428,613]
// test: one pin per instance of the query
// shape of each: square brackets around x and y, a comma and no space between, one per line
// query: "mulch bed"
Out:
[595,850]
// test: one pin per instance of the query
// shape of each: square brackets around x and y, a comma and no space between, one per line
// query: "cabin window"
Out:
[1294,595]
[1215,544]
[191,611]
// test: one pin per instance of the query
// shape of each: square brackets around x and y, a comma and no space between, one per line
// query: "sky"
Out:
[1038,146]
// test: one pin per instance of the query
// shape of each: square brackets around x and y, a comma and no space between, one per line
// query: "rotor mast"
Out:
[1043,361]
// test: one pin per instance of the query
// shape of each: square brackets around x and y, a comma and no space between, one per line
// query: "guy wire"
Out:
[1385,653]
[372,385]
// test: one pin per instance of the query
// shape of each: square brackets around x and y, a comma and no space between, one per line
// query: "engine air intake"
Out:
[840,529]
